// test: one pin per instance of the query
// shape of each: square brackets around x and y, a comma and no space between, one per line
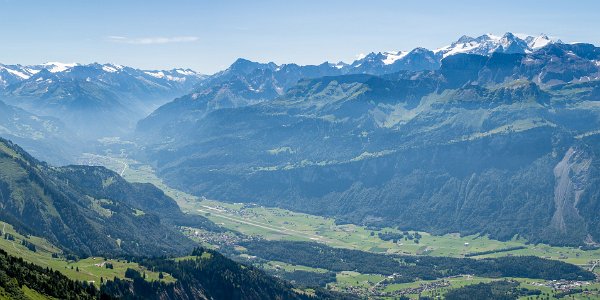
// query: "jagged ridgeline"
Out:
[504,144]
[89,210]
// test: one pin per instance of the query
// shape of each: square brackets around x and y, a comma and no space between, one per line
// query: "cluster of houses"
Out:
[216,238]
[563,285]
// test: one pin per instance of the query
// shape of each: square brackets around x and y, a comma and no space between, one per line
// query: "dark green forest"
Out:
[413,268]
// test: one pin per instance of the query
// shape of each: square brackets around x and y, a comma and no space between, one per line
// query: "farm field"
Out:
[370,285]
[275,223]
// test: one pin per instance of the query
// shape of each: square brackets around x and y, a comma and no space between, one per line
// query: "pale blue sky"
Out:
[209,35]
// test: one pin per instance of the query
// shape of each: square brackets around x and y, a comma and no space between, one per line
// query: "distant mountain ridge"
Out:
[246,82]
[15,73]
[483,45]
[488,43]
[46,137]
[100,100]
[93,100]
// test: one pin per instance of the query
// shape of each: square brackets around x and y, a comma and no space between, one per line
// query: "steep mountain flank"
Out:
[66,207]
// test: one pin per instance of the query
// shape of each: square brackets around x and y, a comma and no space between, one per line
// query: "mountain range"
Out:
[477,145]
[104,100]
[502,123]
[246,82]
[93,100]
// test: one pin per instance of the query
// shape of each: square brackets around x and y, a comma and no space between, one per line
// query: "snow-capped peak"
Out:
[539,42]
[490,43]
[386,58]
[21,73]
[392,56]
[56,67]
[178,75]
[339,65]
[156,74]
[186,72]
[110,68]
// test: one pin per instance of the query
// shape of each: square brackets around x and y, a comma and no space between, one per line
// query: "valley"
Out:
[248,222]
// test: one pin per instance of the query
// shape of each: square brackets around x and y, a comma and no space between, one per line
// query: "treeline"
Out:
[496,290]
[412,268]
[471,254]
[389,236]
[570,292]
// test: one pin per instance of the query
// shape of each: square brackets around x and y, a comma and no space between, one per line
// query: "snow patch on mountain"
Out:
[173,78]
[339,65]
[391,57]
[15,72]
[483,45]
[539,42]
[112,68]
[186,72]
[489,43]
[457,48]
[56,67]
[159,74]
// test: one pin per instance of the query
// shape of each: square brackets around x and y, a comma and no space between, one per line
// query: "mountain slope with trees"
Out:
[88,210]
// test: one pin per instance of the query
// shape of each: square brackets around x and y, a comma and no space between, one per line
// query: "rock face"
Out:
[572,178]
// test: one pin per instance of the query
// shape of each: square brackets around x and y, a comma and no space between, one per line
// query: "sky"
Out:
[208,36]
